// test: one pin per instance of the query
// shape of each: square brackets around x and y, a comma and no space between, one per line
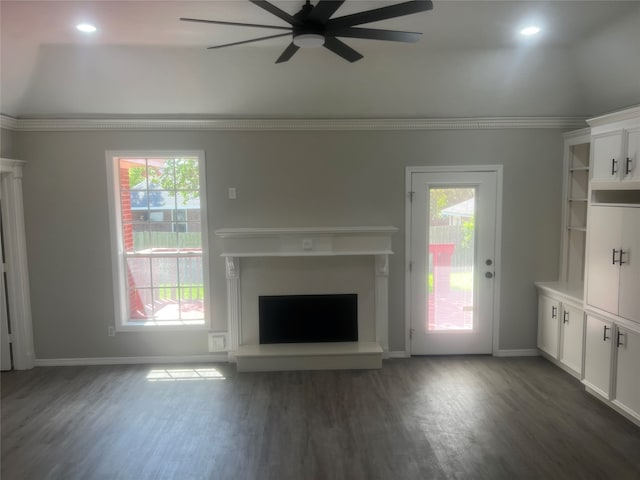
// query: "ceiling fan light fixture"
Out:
[529,31]
[308,40]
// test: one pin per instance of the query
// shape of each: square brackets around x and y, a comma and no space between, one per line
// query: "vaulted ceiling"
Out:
[470,61]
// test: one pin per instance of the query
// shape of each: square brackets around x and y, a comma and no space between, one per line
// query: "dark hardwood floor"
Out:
[418,418]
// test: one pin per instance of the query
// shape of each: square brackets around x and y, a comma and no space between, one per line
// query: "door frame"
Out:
[15,246]
[498,169]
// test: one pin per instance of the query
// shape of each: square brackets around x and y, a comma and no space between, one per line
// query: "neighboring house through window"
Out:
[158,223]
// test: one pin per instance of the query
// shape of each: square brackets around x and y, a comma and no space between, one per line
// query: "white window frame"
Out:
[121,307]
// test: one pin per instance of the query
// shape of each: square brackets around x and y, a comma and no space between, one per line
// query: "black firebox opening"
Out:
[308,318]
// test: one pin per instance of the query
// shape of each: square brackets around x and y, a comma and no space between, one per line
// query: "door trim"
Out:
[498,169]
[17,272]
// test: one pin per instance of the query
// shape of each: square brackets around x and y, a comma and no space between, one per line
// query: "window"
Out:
[158,223]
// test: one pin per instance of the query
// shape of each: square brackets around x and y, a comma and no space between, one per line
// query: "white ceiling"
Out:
[470,61]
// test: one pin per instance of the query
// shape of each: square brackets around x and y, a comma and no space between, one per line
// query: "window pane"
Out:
[164,271]
[188,200]
[133,173]
[165,301]
[162,174]
[187,174]
[139,272]
[191,237]
[140,304]
[190,269]
[135,237]
[451,258]
[163,238]
[192,303]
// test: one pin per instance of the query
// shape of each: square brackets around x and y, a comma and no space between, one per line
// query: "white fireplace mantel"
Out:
[306,242]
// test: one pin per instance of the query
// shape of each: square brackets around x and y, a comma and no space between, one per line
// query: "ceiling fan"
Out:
[313,26]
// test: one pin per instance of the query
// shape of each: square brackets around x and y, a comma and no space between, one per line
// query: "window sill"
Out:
[161,327]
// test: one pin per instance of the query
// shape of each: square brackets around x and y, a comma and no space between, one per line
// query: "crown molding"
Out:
[293,124]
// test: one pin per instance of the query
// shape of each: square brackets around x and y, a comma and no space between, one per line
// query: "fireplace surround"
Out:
[332,245]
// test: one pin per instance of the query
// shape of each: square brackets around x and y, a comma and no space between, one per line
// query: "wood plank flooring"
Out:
[419,418]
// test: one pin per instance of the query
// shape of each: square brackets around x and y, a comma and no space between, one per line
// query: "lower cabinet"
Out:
[571,330]
[548,326]
[612,363]
[560,329]
[627,375]
[597,355]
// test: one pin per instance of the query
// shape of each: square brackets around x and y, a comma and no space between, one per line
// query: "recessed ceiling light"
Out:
[86,28]
[528,31]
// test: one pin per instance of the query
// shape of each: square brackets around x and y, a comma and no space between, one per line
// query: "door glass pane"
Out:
[451,237]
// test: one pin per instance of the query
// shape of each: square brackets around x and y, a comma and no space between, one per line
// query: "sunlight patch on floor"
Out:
[184,374]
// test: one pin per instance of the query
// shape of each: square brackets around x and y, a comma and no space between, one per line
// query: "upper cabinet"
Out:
[616,150]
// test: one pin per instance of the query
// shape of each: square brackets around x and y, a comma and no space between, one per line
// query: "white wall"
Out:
[282,179]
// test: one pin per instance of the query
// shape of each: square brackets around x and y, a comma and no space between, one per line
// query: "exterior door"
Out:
[453,255]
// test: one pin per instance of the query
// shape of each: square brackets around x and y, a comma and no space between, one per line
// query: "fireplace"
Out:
[311,262]
[308,318]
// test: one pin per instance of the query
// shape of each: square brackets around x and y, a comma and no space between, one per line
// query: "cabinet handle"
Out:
[626,167]
[565,316]
[618,342]
[622,252]
[613,255]
[604,333]
[614,166]
[554,311]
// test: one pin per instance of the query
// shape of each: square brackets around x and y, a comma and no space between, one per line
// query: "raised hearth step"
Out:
[309,356]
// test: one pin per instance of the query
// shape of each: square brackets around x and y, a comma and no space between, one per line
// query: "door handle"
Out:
[604,333]
[554,311]
[613,256]
[627,170]
[618,342]
[565,317]
[622,252]
[614,166]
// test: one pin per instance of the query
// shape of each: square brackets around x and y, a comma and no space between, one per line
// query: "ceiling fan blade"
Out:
[277,12]
[288,53]
[383,13]
[323,10]
[236,24]
[340,48]
[249,41]
[374,34]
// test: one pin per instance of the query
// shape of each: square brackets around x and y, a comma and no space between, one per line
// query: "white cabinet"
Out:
[597,355]
[627,385]
[615,146]
[548,325]
[561,325]
[613,267]
[571,330]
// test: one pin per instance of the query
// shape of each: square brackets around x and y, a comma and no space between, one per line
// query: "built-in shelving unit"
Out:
[576,194]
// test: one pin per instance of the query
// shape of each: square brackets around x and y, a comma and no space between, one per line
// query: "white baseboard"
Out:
[523,352]
[396,354]
[168,359]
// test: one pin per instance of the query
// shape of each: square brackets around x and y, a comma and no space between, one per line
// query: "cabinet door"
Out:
[597,355]
[603,275]
[572,327]
[607,157]
[627,390]
[629,301]
[548,326]
[630,167]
